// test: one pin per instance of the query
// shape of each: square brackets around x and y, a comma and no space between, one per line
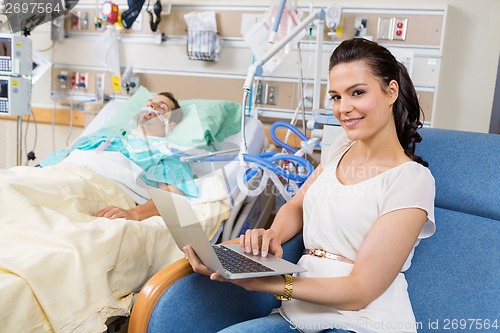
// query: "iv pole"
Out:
[19,140]
[257,69]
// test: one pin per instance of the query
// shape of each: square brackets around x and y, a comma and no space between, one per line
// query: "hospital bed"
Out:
[246,211]
[64,270]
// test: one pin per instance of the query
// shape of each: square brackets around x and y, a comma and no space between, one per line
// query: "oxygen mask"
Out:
[153,122]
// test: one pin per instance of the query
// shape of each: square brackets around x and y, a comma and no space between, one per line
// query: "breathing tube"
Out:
[306,144]
[265,162]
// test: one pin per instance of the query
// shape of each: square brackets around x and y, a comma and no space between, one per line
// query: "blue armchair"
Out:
[454,280]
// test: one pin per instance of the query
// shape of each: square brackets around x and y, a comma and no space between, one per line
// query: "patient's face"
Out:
[153,123]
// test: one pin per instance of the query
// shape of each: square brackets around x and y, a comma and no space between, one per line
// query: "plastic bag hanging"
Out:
[258,36]
[203,40]
[106,49]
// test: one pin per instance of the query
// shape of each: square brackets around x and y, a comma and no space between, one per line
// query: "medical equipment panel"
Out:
[15,55]
[15,96]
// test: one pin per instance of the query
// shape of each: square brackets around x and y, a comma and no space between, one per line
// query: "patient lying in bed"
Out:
[62,268]
[145,147]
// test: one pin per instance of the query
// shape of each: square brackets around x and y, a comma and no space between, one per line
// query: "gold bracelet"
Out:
[287,294]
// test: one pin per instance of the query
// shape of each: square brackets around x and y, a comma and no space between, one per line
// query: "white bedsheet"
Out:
[61,268]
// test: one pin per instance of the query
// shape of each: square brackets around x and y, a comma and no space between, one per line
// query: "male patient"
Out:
[157,120]
[140,145]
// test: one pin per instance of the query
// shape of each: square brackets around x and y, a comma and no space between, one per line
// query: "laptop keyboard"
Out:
[235,262]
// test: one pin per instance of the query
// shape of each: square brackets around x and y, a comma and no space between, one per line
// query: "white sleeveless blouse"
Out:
[337,218]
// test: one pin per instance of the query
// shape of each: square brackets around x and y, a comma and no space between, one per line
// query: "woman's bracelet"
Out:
[287,294]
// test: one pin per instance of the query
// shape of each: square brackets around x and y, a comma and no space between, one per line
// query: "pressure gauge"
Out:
[332,16]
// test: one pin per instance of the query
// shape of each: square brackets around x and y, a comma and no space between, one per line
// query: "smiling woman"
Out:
[365,207]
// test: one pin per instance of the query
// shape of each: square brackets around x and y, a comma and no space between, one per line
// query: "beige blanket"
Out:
[61,268]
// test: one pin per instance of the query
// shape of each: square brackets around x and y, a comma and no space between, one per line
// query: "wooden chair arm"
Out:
[153,289]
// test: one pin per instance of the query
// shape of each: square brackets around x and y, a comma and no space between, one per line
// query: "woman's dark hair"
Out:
[176,116]
[406,110]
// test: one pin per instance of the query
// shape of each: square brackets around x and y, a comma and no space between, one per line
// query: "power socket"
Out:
[62,79]
[271,95]
[83,80]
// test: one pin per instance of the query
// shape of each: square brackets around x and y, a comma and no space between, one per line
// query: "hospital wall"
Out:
[461,96]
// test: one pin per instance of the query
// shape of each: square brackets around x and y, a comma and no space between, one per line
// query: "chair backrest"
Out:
[454,278]
[466,166]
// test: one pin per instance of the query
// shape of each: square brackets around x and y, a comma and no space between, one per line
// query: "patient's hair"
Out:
[176,116]
[384,66]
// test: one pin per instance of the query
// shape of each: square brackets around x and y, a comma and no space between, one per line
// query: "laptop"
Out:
[228,260]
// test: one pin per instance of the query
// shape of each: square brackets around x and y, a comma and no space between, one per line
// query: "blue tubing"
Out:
[267,160]
[268,163]
[278,15]
[280,143]
[79,105]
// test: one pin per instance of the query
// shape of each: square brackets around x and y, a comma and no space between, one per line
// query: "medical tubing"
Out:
[79,105]
[244,189]
[264,160]
[294,129]
[268,163]
[281,188]
[277,20]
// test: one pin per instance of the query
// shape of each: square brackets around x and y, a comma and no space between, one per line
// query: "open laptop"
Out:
[227,260]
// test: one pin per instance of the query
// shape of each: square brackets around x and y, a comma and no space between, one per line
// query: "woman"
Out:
[367,205]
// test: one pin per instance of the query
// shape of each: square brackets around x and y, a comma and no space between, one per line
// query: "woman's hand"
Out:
[198,266]
[271,284]
[261,241]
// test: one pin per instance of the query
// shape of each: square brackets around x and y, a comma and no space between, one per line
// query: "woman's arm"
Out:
[287,223]
[380,259]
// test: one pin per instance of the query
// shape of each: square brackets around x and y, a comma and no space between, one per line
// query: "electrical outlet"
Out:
[84,20]
[83,81]
[399,29]
[392,28]
[62,79]
[384,31]
[271,96]
[75,20]
[73,79]
[259,96]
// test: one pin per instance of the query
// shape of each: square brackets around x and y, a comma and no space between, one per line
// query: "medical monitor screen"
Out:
[4,89]
[5,54]
[5,47]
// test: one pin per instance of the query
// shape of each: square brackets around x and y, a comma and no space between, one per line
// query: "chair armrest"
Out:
[153,289]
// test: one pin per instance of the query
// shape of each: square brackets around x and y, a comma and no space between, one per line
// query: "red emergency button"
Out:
[399,25]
